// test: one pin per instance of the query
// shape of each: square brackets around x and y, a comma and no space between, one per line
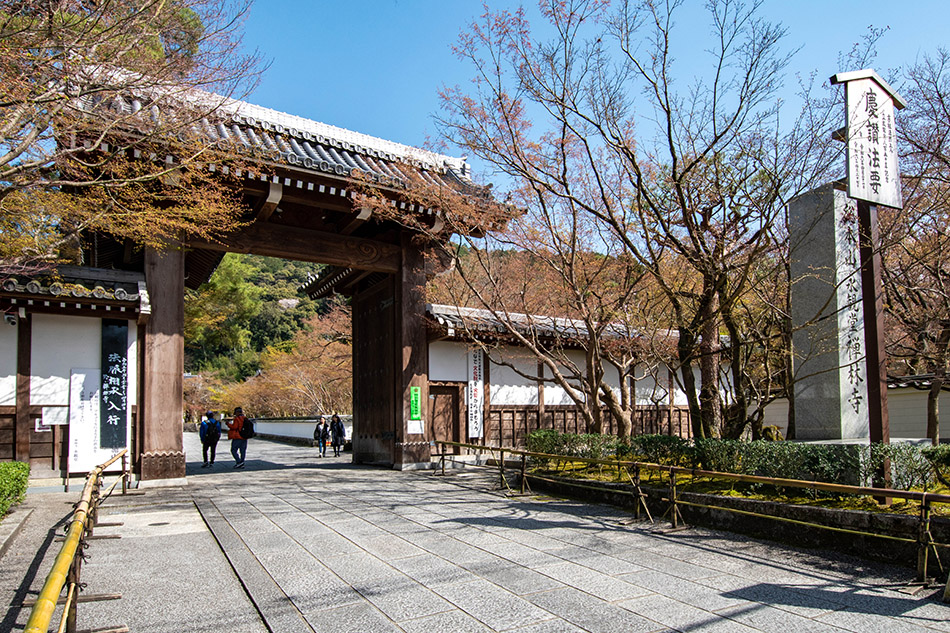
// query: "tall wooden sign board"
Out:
[873,179]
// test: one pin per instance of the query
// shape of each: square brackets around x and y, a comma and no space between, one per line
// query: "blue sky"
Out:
[375,66]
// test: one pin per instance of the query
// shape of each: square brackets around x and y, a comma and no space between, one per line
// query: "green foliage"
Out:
[939,458]
[543,441]
[250,304]
[217,315]
[724,456]
[588,445]
[659,449]
[912,467]
[14,477]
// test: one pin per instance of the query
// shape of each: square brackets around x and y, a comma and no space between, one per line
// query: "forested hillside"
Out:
[250,304]
[252,339]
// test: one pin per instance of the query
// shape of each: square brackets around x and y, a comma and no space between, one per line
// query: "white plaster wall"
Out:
[302,429]
[509,388]
[448,361]
[906,408]
[907,412]
[555,394]
[61,343]
[776,414]
[8,338]
[651,389]
[679,396]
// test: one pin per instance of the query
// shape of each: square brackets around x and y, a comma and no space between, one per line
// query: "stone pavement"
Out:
[296,543]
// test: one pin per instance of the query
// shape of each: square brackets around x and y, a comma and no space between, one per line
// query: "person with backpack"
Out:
[238,435]
[210,433]
[338,434]
[320,436]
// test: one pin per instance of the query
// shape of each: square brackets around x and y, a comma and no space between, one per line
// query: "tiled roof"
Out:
[270,135]
[457,319]
[922,382]
[80,287]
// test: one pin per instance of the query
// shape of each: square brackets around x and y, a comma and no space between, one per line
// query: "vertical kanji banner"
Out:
[476,393]
[113,404]
[873,173]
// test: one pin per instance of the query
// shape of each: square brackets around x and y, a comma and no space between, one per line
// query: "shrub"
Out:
[848,464]
[14,477]
[543,441]
[596,446]
[724,456]
[939,458]
[659,449]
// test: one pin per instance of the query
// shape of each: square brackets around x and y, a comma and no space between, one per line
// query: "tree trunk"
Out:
[933,409]
[940,373]
[709,369]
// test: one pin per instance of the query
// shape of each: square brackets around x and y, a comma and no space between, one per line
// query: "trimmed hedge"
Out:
[14,478]
[912,466]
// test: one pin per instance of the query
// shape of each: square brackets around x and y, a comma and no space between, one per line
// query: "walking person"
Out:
[324,438]
[338,434]
[238,443]
[210,433]
[319,436]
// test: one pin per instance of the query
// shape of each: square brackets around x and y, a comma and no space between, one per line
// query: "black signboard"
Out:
[114,405]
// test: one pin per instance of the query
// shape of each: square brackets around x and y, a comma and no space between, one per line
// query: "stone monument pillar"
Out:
[831,401]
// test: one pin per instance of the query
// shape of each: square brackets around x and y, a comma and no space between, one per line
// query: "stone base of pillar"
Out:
[412,453]
[163,465]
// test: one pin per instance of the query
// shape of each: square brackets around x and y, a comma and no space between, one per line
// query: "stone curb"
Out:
[11,526]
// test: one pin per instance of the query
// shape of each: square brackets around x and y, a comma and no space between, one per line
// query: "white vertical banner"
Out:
[85,401]
[873,173]
[84,386]
[476,393]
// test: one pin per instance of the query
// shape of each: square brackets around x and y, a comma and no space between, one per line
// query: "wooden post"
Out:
[923,541]
[72,578]
[24,424]
[674,511]
[412,351]
[876,357]
[540,395]
[486,405]
[501,468]
[636,487]
[161,443]
[524,471]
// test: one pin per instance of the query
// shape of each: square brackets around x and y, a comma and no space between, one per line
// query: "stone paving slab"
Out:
[297,543]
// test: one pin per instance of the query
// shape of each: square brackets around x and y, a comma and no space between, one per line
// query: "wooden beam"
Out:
[354,279]
[288,242]
[265,209]
[303,197]
[353,224]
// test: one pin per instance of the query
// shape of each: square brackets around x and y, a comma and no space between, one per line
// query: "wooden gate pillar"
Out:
[162,455]
[412,350]
[24,422]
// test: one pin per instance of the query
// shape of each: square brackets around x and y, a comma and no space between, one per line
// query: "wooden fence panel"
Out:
[510,425]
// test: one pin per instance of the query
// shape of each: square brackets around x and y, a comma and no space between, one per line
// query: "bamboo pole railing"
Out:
[68,563]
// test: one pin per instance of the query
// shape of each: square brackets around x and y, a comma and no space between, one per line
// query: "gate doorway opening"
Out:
[299,201]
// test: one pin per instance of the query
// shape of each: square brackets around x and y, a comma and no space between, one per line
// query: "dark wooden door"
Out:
[446,415]
[374,375]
